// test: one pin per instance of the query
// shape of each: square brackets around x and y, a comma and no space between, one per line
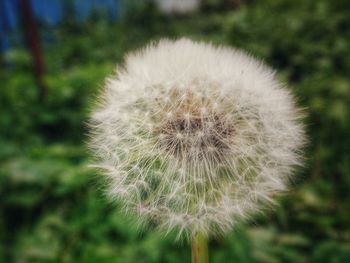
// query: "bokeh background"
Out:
[54,57]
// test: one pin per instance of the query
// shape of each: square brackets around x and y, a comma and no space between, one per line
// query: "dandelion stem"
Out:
[200,249]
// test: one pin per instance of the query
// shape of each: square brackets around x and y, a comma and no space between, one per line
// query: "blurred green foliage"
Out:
[51,205]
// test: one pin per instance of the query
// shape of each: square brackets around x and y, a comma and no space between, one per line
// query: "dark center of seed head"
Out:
[196,136]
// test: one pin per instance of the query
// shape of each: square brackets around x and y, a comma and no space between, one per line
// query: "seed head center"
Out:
[195,135]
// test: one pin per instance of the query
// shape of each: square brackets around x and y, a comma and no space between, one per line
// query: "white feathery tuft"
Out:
[194,137]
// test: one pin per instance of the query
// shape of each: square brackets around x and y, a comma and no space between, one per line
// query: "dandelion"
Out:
[195,138]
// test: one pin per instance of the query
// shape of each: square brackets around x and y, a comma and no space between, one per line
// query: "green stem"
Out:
[200,249]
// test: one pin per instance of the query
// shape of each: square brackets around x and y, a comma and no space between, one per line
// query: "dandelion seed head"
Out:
[194,137]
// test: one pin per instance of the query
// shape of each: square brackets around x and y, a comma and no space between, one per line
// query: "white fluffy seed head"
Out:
[194,137]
